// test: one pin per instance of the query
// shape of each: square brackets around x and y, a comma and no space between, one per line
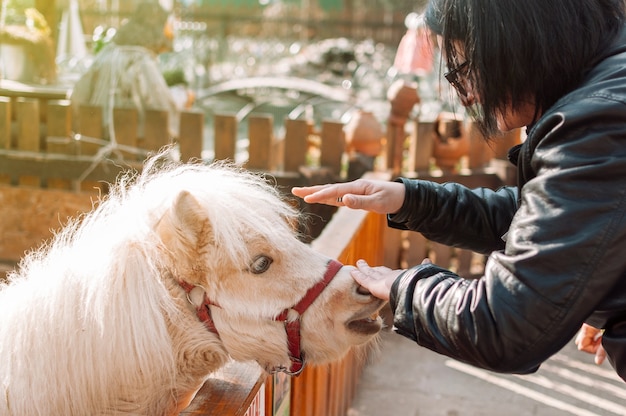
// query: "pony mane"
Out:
[108,262]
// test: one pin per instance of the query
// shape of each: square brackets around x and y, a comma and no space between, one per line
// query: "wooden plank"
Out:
[225,134]
[296,144]
[60,166]
[440,254]
[191,135]
[394,148]
[28,138]
[125,122]
[422,146]
[302,397]
[332,146]
[277,154]
[89,124]
[320,391]
[261,135]
[59,138]
[340,391]
[27,110]
[464,259]
[504,143]
[156,130]
[59,124]
[269,394]
[416,250]
[480,154]
[10,88]
[5,123]
[228,392]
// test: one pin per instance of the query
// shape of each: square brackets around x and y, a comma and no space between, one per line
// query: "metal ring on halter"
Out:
[340,199]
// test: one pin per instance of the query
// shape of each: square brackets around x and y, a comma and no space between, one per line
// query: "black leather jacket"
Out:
[556,243]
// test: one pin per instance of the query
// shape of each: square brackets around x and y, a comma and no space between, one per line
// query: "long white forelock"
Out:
[242,201]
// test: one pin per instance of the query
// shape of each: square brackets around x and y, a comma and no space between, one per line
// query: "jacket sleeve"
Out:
[563,257]
[451,214]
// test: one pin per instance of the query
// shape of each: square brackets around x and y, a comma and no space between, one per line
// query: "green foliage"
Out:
[175,77]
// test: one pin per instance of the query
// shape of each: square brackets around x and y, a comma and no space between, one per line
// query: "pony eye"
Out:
[260,264]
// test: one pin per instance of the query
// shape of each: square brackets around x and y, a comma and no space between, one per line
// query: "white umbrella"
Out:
[71,42]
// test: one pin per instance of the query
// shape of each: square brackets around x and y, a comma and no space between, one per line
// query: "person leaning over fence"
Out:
[556,241]
[125,72]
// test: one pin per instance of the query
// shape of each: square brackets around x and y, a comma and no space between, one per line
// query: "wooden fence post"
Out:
[503,144]
[479,153]
[333,145]
[59,136]
[5,131]
[191,135]
[59,124]
[422,146]
[28,137]
[28,124]
[90,126]
[5,123]
[156,133]
[261,135]
[225,136]
[125,123]
[296,144]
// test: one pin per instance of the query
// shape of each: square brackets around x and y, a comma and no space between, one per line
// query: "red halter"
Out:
[292,328]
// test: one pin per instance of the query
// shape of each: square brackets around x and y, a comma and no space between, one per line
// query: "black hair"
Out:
[521,49]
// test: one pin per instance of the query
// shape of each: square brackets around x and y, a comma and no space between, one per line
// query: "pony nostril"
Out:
[362,291]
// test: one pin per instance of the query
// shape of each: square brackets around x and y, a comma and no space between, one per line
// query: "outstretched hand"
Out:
[382,197]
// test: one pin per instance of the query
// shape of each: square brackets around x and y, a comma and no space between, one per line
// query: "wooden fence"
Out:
[38,138]
[48,168]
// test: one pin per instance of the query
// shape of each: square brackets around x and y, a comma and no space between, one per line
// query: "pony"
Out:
[177,270]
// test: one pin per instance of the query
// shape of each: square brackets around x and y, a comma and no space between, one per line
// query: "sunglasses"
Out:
[452,76]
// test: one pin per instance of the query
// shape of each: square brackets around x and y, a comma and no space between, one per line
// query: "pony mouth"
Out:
[366,325]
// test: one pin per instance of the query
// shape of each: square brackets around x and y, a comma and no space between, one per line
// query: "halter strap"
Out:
[292,328]
[203,311]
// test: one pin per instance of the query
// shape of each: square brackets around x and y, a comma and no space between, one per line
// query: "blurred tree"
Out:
[49,11]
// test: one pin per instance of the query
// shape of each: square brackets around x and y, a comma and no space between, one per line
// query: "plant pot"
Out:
[451,142]
[364,134]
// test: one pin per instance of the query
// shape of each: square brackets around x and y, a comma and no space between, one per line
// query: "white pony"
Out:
[175,272]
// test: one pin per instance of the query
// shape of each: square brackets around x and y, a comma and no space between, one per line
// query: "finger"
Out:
[600,355]
[376,287]
[363,279]
[585,343]
[302,191]
[371,271]
[427,261]
[325,194]
[363,269]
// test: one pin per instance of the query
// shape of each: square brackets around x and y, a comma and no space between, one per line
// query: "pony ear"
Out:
[185,229]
